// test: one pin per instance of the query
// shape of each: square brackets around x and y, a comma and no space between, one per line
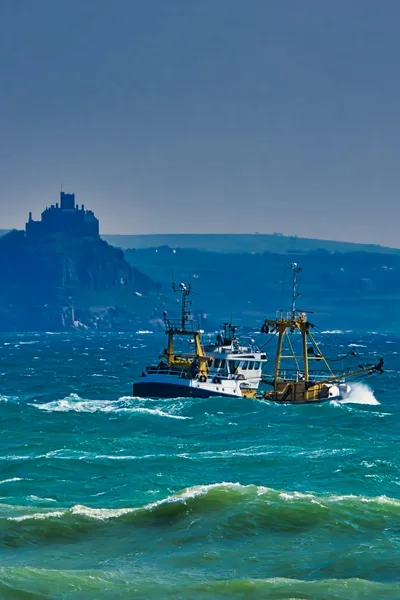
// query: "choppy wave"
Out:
[202,455]
[233,506]
[93,485]
[11,480]
[74,403]
[23,583]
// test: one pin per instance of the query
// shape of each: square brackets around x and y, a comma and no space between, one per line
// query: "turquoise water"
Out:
[107,496]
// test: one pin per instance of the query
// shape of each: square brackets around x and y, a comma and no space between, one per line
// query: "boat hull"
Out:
[154,389]
[300,392]
[313,401]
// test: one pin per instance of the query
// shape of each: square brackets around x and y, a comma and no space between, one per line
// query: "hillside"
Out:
[238,243]
[242,243]
[354,290]
[58,282]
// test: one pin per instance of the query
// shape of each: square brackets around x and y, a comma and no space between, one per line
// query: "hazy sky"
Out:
[204,115]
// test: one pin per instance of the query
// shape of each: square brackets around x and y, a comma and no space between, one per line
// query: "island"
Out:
[59,274]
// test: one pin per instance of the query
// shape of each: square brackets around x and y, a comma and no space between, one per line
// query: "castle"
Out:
[65,217]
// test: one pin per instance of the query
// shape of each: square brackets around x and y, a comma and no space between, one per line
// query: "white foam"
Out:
[357,346]
[34,498]
[127,456]
[360,393]
[332,331]
[74,403]
[15,457]
[194,492]
[52,515]
[294,496]
[11,480]
[154,411]
[100,513]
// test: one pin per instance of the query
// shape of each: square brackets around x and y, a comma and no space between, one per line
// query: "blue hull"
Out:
[172,390]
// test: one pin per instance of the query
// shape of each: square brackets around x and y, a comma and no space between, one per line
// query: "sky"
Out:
[229,116]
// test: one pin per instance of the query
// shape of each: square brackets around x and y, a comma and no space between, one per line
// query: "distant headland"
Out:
[59,274]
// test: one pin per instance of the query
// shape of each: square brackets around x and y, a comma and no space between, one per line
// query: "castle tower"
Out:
[67,201]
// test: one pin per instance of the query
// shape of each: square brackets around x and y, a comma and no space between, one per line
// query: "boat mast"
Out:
[181,327]
[281,330]
[290,321]
[304,330]
[172,328]
[295,269]
[185,293]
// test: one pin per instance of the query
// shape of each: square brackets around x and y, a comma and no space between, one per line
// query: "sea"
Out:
[108,496]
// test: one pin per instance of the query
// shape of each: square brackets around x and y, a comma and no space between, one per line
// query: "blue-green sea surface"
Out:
[103,495]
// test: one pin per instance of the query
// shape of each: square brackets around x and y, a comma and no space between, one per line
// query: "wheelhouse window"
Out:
[256,364]
[244,365]
[233,365]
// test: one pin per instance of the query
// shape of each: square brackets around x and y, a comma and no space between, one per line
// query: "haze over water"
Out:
[108,496]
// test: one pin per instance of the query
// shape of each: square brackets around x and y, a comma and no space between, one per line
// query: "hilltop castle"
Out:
[65,217]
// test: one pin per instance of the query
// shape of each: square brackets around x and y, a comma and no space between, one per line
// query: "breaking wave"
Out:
[227,506]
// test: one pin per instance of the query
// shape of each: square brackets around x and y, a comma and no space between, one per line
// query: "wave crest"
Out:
[33,583]
[244,507]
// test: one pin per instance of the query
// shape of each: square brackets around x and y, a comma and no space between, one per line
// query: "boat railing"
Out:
[288,315]
[314,376]
[187,374]
[166,370]
[176,325]
[283,315]
[231,351]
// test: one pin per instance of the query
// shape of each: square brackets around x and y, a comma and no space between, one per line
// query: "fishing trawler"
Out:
[224,368]
[295,380]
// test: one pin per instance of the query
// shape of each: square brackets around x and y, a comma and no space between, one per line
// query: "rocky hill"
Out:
[57,282]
